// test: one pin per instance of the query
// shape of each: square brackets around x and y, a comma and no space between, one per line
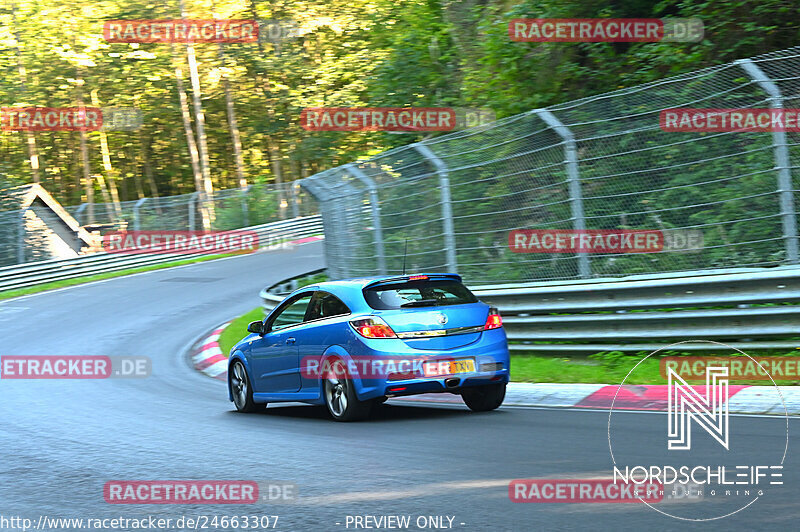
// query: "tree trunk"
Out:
[148,170]
[137,175]
[273,149]
[200,122]
[187,127]
[88,182]
[107,167]
[275,162]
[31,137]
[235,137]
[103,188]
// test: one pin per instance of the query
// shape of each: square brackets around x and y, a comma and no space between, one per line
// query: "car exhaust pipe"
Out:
[452,382]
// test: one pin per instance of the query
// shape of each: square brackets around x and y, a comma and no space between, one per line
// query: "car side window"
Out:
[326,305]
[292,314]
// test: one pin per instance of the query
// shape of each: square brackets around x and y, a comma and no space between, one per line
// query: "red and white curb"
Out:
[741,399]
[208,358]
[206,355]
[307,239]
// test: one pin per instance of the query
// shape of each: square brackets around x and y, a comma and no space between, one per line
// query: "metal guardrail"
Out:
[644,313]
[647,312]
[602,162]
[35,273]
[274,294]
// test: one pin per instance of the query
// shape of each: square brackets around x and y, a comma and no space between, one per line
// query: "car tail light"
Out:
[373,328]
[494,321]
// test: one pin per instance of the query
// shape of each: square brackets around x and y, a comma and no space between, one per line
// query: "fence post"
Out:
[245,212]
[341,230]
[376,212]
[329,225]
[447,210]
[574,180]
[79,212]
[295,208]
[192,209]
[137,223]
[782,164]
[21,240]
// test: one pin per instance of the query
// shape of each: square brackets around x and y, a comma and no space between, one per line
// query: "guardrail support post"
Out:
[375,207]
[341,230]
[21,240]
[447,210]
[574,180]
[329,221]
[79,212]
[245,213]
[192,210]
[782,164]
[293,192]
[137,223]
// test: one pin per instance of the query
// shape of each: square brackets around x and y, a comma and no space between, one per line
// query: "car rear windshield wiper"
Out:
[421,303]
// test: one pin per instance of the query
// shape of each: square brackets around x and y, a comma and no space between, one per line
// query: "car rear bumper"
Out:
[453,384]
[491,365]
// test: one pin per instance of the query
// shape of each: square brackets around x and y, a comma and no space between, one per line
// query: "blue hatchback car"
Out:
[352,344]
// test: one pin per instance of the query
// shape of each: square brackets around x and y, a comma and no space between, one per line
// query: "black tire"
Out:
[342,402]
[484,398]
[242,391]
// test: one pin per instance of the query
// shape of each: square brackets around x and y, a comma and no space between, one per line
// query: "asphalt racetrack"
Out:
[62,440]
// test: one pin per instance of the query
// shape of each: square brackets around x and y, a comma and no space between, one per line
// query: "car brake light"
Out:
[373,328]
[494,321]
[418,278]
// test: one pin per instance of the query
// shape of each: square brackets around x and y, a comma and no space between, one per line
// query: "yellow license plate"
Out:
[439,368]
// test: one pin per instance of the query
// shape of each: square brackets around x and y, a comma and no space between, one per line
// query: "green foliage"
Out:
[411,53]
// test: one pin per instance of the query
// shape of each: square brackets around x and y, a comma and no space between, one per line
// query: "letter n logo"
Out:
[686,404]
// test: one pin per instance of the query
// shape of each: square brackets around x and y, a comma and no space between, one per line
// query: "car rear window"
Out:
[423,293]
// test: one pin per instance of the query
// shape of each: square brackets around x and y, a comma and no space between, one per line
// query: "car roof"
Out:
[361,282]
[349,290]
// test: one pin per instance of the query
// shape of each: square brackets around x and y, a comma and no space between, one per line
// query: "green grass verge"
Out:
[532,368]
[237,329]
[101,276]
[601,368]
[611,368]
[524,368]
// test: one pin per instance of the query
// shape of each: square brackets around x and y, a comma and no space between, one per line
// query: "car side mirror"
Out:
[256,327]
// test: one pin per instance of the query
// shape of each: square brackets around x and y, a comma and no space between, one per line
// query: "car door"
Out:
[322,328]
[274,356]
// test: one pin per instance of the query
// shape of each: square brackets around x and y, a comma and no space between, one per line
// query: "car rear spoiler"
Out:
[416,277]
